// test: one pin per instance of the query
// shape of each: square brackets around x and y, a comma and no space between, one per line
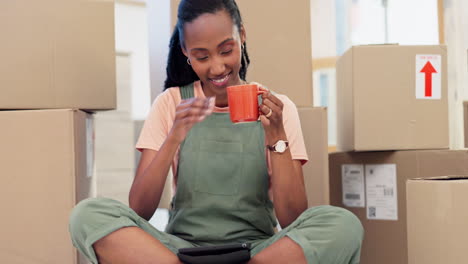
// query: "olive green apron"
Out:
[222,183]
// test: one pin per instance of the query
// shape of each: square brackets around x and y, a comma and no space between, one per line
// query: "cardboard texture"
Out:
[465,118]
[57,54]
[290,72]
[385,241]
[315,171]
[377,100]
[437,216]
[46,159]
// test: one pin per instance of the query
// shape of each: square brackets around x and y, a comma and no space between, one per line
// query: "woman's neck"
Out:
[221,101]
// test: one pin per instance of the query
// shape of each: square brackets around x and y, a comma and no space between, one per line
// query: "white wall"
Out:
[413,22]
[131,36]
[160,30]
[367,22]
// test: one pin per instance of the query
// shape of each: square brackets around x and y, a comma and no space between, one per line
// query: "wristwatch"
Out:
[279,147]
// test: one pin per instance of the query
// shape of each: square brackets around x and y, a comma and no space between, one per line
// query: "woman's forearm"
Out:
[146,191]
[288,188]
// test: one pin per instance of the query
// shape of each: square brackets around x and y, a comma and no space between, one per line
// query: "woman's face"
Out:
[213,45]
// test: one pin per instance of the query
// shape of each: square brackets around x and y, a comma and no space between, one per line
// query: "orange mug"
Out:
[243,102]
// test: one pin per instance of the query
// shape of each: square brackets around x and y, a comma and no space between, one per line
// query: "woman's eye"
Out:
[202,58]
[226,52]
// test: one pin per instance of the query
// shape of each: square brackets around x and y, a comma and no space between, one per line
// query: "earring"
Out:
[188,62]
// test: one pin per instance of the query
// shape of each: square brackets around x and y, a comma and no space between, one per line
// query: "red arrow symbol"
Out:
[428,70]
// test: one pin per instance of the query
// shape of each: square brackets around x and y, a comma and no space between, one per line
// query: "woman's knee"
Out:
[334,234]
[90,214]
[343,224]
[347,227]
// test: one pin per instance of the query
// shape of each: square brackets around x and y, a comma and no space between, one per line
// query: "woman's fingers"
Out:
[269,97]
[265,121]
[267,105]
[188,113]
[195,109]
[271,107]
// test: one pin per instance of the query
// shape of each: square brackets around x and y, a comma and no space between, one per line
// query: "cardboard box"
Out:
[46,167]
[288,72]
[374,189]
[437,217]
[315,132]
[57,54]
[465,117]
[383,100]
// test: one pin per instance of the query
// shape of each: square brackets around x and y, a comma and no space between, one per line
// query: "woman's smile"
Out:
[220,81]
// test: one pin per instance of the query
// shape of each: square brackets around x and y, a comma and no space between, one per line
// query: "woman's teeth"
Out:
[220,80]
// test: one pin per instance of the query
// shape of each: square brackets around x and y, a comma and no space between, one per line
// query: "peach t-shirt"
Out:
[162,115]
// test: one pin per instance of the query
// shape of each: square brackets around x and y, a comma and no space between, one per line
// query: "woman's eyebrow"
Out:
[226,40]
[219,45]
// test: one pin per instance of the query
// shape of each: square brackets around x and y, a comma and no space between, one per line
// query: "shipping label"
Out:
[381,192]
[352,178]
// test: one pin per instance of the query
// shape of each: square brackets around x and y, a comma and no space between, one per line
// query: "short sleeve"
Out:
[292,127]
[159,121]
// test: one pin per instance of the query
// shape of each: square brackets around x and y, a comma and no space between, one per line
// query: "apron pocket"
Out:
[219,167]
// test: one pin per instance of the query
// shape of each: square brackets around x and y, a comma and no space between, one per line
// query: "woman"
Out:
[226,175]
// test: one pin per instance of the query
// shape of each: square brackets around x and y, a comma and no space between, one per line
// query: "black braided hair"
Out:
[179,72]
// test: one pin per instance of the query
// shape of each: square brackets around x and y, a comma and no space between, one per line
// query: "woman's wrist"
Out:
[174,139]
[273,137]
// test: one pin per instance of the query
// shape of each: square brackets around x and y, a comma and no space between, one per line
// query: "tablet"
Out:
[214,250]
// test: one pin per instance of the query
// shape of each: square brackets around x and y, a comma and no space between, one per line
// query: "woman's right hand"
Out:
[188,113]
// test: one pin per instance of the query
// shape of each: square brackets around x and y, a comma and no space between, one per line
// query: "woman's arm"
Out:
[153,167]
[150,178]
[287,181]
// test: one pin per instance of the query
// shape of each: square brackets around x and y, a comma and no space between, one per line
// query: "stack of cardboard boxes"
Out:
[58,66]
[392,126]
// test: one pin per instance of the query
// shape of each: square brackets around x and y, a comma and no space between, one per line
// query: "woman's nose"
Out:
[217,67]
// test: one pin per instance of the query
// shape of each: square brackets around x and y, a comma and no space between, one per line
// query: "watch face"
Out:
[280,146]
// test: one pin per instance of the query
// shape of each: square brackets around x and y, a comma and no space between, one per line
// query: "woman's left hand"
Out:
[271,116]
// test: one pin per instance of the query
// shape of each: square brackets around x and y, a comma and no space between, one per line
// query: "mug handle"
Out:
[260,88]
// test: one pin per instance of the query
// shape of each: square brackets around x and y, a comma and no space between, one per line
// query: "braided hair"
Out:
[179,73]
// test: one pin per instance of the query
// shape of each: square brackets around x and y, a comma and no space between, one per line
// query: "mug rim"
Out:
[237,87]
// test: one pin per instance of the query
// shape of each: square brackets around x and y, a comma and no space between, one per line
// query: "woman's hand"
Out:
[271,116]
[188,113]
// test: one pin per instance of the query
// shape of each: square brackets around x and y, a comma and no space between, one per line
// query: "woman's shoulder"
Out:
[170,96]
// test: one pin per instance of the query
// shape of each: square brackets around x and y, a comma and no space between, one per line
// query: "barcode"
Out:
[372,212]
[352,196]
[388,191]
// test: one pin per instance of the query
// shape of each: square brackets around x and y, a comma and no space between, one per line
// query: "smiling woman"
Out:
[213,45]
[226,175]
[211,49]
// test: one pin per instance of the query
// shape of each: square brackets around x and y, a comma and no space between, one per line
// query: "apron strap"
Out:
[187,91]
